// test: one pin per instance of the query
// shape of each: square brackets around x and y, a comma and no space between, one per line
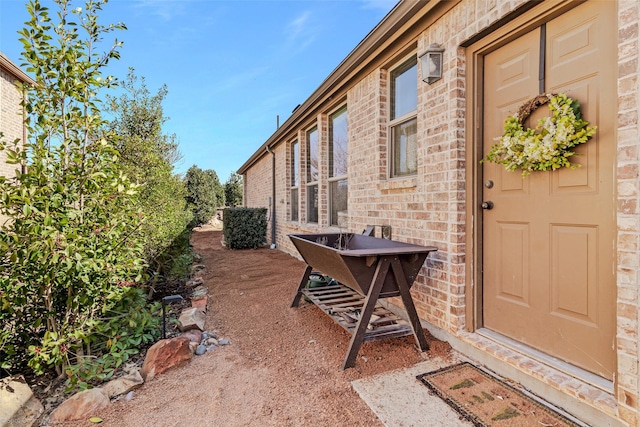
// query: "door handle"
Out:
[488,205]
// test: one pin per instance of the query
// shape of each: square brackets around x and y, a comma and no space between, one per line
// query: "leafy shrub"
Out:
[233,190]
[174,262]
[148,156]
[73,250]
[115,337]
[204,194]
[69,252]
[245,228]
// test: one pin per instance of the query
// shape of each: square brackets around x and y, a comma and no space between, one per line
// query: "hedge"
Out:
[245,228]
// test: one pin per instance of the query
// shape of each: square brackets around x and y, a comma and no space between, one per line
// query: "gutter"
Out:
[14,70]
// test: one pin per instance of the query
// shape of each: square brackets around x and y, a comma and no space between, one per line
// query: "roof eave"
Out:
[397,17]
[14,70]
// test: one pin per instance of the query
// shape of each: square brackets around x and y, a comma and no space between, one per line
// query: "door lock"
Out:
[488,205]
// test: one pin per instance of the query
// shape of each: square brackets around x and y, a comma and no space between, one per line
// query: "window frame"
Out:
[294,183]
[395,124]
[310,184]
[332,178]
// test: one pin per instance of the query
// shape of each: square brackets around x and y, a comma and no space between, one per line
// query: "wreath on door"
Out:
[547,147]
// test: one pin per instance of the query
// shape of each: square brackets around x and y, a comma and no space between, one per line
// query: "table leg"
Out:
[382,269]
[301,286]
[401,281]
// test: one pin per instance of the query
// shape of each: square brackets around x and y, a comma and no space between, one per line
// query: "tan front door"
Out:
[548,243]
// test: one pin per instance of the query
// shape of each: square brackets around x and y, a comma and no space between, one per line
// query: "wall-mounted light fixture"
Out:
[431,63]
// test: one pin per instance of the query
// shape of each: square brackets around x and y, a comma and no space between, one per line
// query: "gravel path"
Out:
[282,365]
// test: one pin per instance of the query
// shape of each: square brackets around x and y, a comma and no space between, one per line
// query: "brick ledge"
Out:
[577,397]
[398,184]
[572,386]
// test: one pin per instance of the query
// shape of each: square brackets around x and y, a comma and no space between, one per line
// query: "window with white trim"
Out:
[295,180]
[312,175]
[403,118]
[338,161]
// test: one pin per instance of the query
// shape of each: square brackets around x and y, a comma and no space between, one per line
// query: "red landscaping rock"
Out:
[165,354]
[81,405]
[200,303]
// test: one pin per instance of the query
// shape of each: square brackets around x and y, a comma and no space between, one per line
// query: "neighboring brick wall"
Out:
[430,208]
[11,118]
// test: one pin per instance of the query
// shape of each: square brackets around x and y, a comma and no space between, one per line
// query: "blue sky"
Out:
[231,66]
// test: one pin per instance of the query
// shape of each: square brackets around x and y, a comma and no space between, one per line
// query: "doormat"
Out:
[486,401]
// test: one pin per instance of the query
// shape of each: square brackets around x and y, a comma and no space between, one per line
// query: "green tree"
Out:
[233,190]
[205,194]
[68,254]
[148,156]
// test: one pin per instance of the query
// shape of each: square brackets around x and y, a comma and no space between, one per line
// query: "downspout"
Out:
[273,198]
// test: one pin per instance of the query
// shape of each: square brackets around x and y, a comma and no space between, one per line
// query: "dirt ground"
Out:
[282,367]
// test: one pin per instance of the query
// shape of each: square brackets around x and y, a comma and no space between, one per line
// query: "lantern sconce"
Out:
[431,63]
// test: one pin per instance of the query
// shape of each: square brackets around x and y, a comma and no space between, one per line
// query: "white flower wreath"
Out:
[548,146]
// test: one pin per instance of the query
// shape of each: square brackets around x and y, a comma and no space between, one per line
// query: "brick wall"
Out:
[628,215]
[430,208]
[11,124]
[11,119]
[257,188]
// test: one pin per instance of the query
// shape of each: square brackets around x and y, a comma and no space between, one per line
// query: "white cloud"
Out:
[300,32]
[297,26]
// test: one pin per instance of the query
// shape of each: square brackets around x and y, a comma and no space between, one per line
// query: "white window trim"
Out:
[333,179]
[398,120]
[308,183]
[292,172]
